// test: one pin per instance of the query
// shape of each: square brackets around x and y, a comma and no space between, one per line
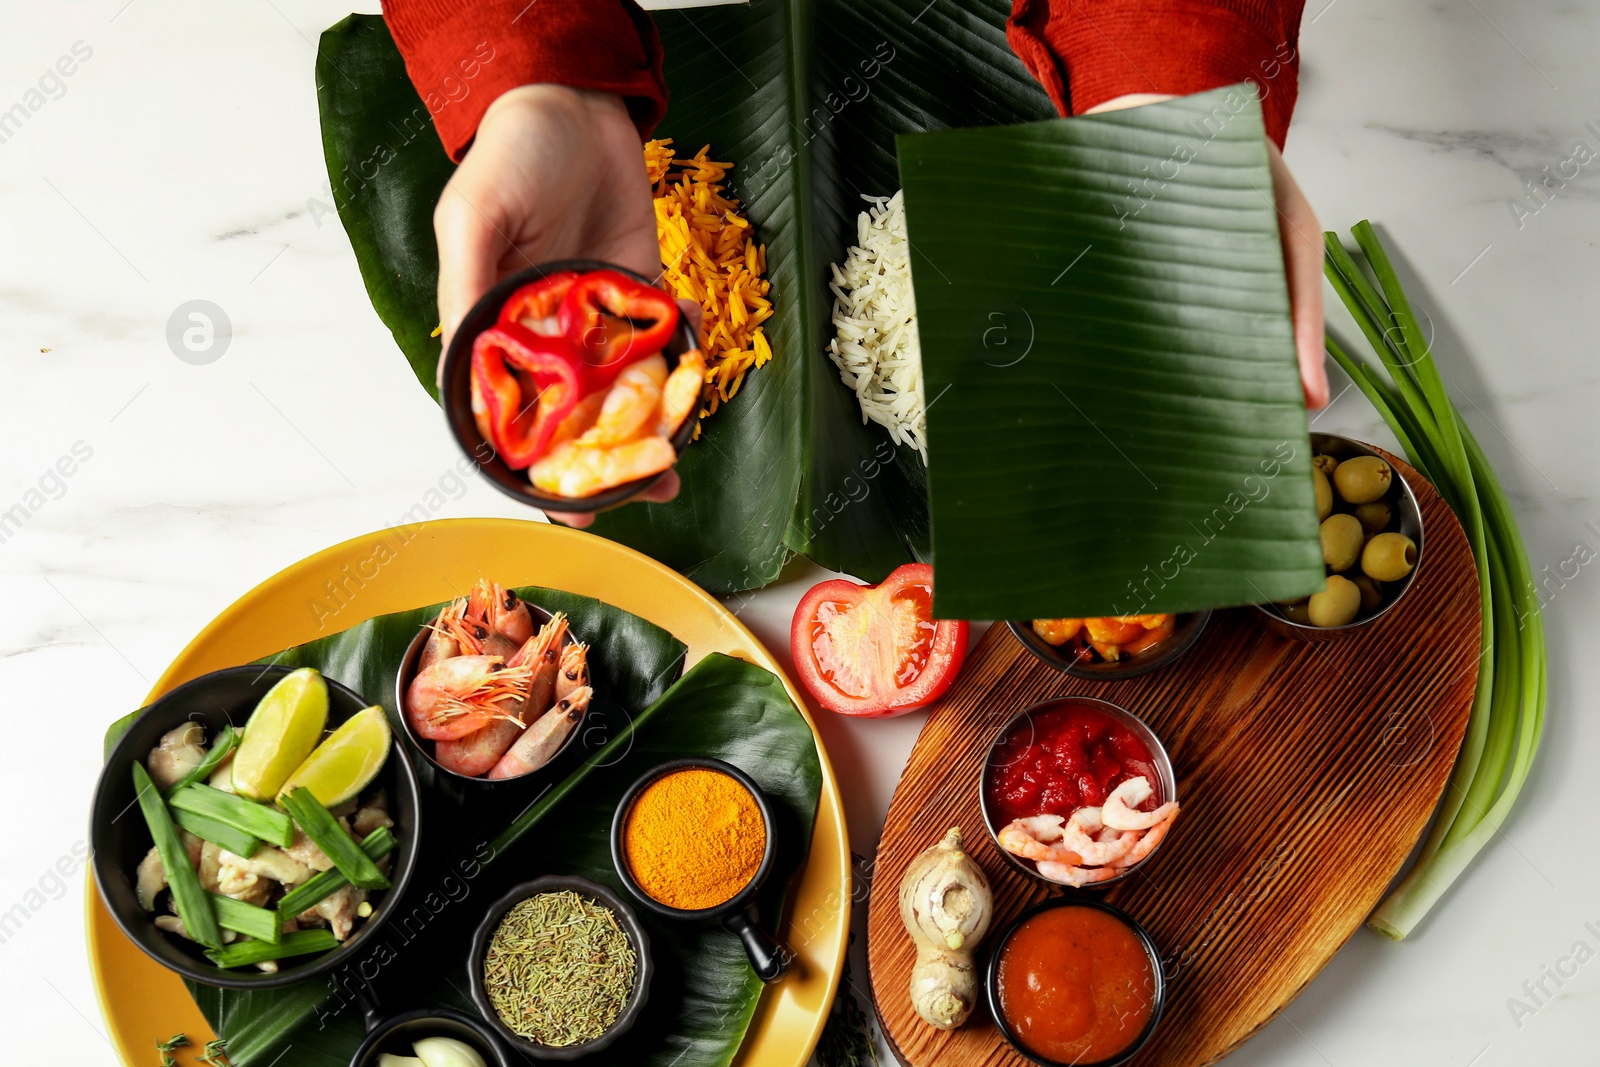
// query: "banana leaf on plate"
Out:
[704,992]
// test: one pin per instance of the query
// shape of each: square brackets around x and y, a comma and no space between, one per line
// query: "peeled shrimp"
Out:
[1119,810]
[1148,841]
[1017,839]
[577,470]
[478,751]
[681,395]
[540,742]
[634,397]
[454,697]
[1093,852]
[1077,877]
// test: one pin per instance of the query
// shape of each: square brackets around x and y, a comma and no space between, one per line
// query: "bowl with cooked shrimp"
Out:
[1077,792]
[1112,648]
[255,827]
[573,385]
[494,688]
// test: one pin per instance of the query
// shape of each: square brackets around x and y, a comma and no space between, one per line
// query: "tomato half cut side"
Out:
[876,650]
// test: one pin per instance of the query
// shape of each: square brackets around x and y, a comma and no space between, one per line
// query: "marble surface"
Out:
[180,161]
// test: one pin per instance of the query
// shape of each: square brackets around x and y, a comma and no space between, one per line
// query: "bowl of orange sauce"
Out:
[1074,981]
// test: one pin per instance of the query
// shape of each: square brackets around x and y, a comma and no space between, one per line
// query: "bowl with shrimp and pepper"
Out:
[573,385]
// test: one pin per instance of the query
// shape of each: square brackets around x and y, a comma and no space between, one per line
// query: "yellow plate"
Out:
[409,566]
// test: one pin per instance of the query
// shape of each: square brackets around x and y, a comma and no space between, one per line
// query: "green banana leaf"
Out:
[1106,336]
[805,99]
[704,992]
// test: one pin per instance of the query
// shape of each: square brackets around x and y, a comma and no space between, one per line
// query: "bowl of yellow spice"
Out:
[692,841]
[560,967]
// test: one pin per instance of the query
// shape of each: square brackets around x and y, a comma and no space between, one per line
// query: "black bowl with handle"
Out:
[120,838]
[455,394]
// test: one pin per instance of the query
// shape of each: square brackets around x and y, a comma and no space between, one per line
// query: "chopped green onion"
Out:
[226,740]
[259,923]
[377,845]
[218,833]
[194,907]
[257,820]
[335,842]
[1507,718]
[299,943]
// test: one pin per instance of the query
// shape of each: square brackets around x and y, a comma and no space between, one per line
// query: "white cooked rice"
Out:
[875,316]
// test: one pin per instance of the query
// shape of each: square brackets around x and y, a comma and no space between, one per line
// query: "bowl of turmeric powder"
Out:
[693,840]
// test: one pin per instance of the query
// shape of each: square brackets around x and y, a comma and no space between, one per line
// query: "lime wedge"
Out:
[282,731]
[344,763]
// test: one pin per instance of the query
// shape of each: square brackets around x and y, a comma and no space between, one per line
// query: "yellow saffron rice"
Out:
[709,256]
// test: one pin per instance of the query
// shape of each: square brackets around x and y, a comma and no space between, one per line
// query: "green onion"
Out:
[1508,709]
[218,833]
[247,919]
[335,842]
[226,740]
[377,845]
[194,908]
[299,943]
[257,820]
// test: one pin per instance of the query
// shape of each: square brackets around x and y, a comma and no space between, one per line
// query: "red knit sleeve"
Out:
[1085,52]
[461,54]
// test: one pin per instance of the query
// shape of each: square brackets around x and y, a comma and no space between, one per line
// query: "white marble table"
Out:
[180,160]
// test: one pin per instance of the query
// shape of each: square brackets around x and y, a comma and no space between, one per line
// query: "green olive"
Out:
[1341,541]
[1388,557]
[1325,464]
[1336,605]
[1374,516]
[1296,613]
[1324,494]
[1371,595]
[1362,480]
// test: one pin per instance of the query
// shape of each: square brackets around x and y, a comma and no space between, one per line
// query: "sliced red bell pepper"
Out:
[529,383]
[616,321]
[535,305]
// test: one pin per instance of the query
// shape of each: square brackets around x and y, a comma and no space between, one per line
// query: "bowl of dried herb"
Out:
[560,967]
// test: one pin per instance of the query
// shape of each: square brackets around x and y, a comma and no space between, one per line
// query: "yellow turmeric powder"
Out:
[694,838]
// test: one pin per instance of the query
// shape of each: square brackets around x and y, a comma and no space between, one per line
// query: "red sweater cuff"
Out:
[1085,52]
[461,55]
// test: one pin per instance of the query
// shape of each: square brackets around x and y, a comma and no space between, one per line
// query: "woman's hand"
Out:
[554,173]
[1301,235]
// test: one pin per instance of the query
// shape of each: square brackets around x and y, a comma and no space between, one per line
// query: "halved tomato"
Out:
[876,650]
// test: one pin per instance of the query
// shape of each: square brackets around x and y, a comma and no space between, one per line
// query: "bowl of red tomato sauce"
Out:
[1076,981]
[1078,792]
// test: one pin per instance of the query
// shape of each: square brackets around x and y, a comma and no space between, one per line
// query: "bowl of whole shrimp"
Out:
[302,915]
[1078,792]
[494,688]
[573,385]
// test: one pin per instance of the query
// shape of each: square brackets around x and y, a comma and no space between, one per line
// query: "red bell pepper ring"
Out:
[535,306]
[616,321]
[529,383]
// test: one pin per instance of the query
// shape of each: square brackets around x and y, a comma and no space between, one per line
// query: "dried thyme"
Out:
[559,969]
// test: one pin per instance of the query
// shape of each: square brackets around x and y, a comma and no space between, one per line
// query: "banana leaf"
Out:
[805,99]
[1138,443]
[704,993]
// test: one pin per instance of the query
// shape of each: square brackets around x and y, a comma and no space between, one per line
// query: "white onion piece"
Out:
[446,1052]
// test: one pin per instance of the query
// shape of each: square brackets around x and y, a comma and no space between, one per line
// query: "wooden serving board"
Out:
[1306,771]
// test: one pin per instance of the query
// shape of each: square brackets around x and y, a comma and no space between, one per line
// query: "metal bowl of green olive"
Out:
[1371,531]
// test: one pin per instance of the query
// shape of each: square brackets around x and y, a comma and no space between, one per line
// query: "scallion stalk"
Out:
[248,919]
[257,820]
[194,907]
[323,884]
[225,743]
[299,943]
[218,833]
[336,843]
[1508,708]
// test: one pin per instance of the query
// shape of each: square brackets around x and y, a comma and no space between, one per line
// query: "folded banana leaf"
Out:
[1118,425]
[704,992]
[805,99]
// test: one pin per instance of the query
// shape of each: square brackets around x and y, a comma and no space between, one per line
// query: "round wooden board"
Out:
[145,1003]
[1306,772]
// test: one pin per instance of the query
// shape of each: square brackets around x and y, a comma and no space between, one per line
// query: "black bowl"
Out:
[119,837]
[395,1035]
[1080,663]
[768,957]
[456,394]
[630,926]
[408,670]
[1158,998]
